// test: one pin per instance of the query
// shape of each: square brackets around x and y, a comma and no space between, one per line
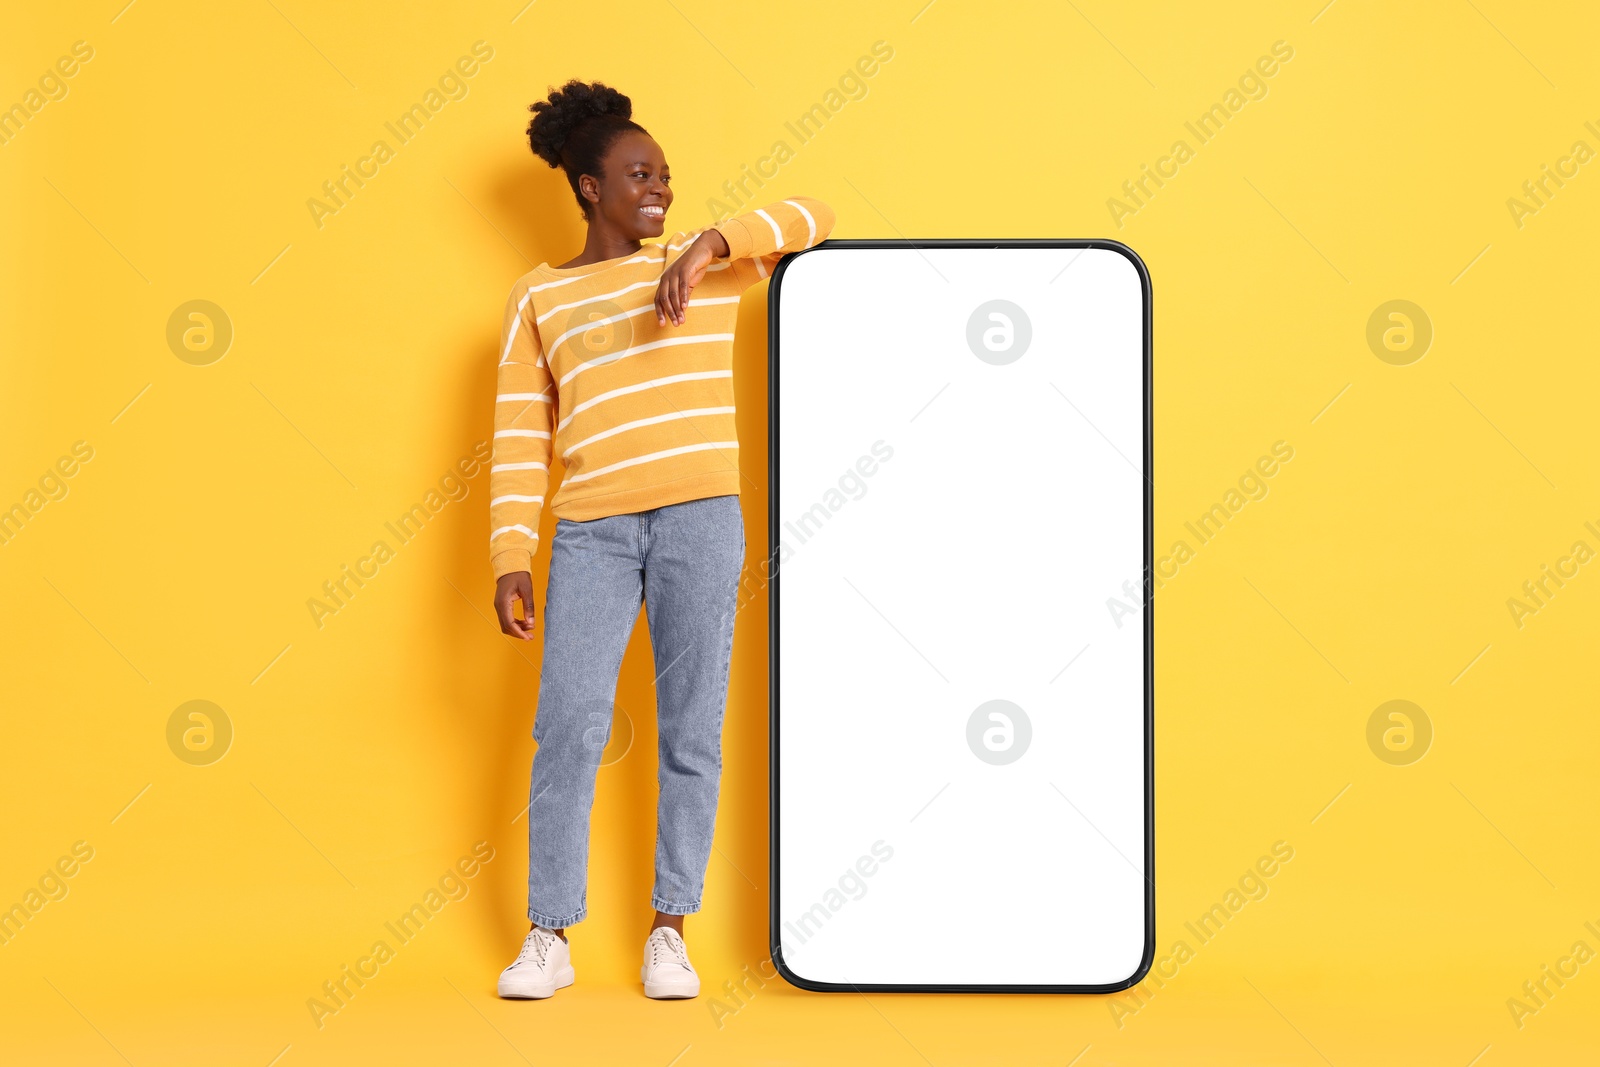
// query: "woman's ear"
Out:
[589,186]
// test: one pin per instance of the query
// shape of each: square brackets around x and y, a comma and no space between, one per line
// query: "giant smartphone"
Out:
[962,642]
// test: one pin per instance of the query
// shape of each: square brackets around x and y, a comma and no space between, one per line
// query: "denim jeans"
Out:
[684,561]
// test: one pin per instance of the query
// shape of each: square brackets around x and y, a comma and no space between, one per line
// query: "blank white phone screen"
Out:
[960,663]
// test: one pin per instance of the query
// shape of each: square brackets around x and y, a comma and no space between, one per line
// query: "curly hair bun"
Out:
[567,108]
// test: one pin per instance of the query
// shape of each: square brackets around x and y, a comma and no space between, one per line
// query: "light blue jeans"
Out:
[684,561]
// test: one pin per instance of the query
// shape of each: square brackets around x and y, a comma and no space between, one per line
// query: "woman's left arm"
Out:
[752,242]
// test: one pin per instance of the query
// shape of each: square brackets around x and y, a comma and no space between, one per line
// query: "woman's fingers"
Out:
[667,306]
[524,625]
[672,294]
[664,299]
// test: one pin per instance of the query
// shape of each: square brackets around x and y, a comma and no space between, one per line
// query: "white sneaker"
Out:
[543,966]
[667,972]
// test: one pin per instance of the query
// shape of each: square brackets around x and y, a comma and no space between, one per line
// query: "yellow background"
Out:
[370,754]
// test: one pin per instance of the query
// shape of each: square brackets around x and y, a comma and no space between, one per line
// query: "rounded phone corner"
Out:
[1147,959]
[793,978]
[1126,252]
[784,263]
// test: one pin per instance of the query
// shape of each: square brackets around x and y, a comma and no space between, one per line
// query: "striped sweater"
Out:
[642,415]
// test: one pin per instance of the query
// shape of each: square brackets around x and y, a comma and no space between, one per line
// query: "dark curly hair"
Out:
[575,128]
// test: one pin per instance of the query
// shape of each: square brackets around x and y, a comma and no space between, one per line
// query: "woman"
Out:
[608,361]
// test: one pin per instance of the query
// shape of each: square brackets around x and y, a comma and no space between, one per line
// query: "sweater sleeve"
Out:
[758,239]
[524,420]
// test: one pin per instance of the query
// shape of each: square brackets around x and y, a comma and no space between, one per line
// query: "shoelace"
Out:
[539,942]
[674,946]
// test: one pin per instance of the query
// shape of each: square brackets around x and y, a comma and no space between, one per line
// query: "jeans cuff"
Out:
[556,923]
[666,908]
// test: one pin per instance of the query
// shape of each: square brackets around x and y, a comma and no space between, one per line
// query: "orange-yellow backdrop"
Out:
[210,498]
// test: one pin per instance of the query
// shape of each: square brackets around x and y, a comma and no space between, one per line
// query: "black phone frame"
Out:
[774,337]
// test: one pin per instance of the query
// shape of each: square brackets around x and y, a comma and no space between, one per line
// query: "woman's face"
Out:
[635,195]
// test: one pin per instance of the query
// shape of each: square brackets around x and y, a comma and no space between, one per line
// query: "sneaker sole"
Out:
[564,979]
[671,990]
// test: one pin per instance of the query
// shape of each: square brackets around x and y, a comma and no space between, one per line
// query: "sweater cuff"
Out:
[737,234]
[510,561]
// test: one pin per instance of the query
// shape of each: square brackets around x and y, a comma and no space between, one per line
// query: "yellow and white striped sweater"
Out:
[641,414]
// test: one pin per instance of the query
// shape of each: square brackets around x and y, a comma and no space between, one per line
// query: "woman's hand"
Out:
[679,279]
[517,585]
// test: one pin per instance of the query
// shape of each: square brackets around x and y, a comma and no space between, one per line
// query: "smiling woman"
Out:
[621,361]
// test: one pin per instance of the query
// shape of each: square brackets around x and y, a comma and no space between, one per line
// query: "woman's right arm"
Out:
[758,239]
[519,471]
